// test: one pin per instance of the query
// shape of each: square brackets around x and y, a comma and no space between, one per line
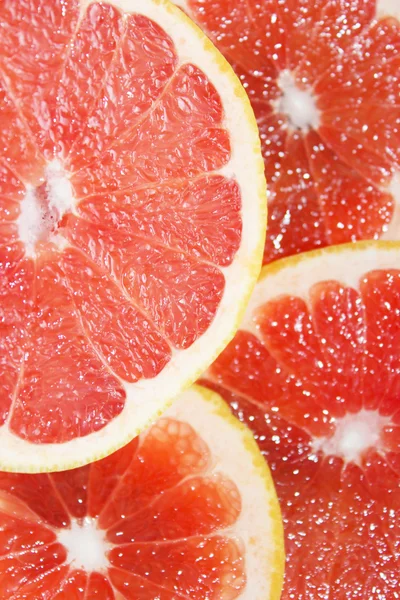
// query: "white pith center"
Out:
[354,435]
[297,104]
[43,208]
[86,545]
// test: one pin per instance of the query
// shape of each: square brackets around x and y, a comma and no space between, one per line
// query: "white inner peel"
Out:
[355,434]
[298,105]
[86,545]
[37,220]
[392,230]
[387,8]
[146,398]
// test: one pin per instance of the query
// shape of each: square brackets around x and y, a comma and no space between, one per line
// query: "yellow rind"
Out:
[248,112]
[296,274]
[297,259]
[253,264]
[221,408]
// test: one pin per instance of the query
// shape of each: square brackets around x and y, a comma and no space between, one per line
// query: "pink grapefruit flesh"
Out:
[118,229]
[167,517]
[323,79]
[315,376]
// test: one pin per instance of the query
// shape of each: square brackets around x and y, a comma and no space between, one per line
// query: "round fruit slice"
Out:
[323,77]
[132,221]
[187,510]
[314,371]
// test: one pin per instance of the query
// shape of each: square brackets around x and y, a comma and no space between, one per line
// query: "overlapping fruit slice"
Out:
[187,510]
[314,371]
[323,77]
[132,220]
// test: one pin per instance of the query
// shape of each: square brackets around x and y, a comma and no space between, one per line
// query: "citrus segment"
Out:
[323,80]
[20,155]
[313,372]
[128,90]
[14,300]
[42,52]
[131,203]
[170,515]
[71,102]
[297,220]
[76,371]
[118,330]
[342,189]
[194,140]
[196,236]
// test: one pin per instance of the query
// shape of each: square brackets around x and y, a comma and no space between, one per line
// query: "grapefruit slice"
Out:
[187,510]
[324,81]
[132,221]
[314,371]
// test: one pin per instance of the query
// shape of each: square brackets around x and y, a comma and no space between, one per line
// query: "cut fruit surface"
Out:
[314,372]
[324,81]
[132,221]
[187,510]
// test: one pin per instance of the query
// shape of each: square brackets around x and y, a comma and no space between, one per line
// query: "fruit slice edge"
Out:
[336,180]
[197,441]
[233,463]
[143,402]
[321,396]
[299,272]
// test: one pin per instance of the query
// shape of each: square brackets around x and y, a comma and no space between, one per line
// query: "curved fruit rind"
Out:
[296,274]
[235,506]
[348,427]
[237,455]
[143,405]
[295,226]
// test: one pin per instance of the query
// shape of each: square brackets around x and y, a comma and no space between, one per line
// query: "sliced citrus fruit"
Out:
[132,221]
[187,510]
[314,371]
[324,80]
